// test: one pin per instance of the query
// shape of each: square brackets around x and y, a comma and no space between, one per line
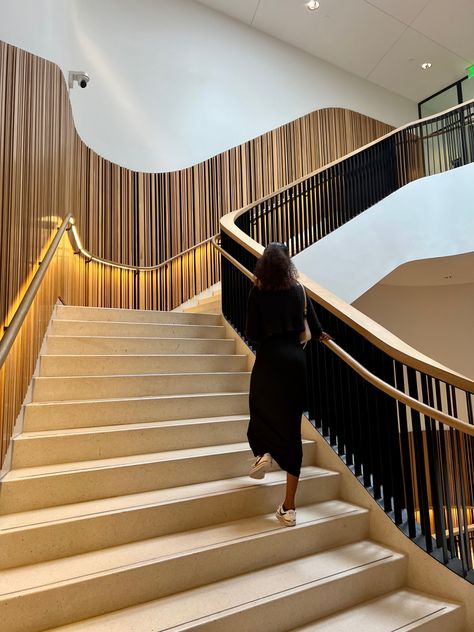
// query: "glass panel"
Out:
[441,102]
[468,89]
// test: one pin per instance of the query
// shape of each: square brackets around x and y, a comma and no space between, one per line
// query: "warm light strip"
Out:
[79,249]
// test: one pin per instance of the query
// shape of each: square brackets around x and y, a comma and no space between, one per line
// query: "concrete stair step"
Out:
[69,312]
[49,389]
[55,532]
[102,442]
[272,598]
[49,485]
[110,412]
[74,345]
[134,330]
[403,610]
[330,524]
[67,365]
[214,307]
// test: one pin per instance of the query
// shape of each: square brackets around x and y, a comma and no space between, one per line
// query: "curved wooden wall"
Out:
[129,217]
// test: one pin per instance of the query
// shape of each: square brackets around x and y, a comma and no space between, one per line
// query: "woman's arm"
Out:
[314,324]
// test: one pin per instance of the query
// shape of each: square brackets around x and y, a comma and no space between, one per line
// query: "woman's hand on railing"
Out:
[324,337]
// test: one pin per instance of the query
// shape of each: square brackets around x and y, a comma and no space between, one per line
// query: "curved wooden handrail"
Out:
[346,156]
[14,326]
[79,249]
[371,330]
[426,410]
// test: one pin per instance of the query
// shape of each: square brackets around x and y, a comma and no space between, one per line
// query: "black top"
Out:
[279,312]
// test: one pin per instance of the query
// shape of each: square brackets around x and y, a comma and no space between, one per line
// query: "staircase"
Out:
[128,507]
[207,302]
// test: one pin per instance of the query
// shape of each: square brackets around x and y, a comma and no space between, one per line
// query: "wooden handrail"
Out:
[371,330]
[14,326]
[79,249]
[413,403]
[346,156]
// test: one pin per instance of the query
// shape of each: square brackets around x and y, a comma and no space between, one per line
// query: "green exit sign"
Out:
[470,71]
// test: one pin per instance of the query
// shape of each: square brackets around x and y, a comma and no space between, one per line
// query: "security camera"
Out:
[78,76]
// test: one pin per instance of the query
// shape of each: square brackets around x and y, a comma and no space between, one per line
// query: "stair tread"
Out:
[127,427]
[118,356]
[74,378]
[63,513]
[247,590]
[131,338]
[391,612]
[123,461]
[164,547]
[135,323]
[141,398]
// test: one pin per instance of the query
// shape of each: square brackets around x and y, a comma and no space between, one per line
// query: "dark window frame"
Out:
[457,84]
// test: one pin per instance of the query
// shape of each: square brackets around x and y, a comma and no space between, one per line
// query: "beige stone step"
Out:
[58,366]
[134,330]
[69,312]
[259,538]
[55,532]
[110,412]
[102,442]
[213,307]
[403,611]
[272,598]
[49,389]
[51,485]
[73,345]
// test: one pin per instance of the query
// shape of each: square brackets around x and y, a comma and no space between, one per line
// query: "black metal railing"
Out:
[420,470]
[313,207]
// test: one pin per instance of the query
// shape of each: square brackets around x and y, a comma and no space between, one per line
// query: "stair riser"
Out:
[133,316]
[54,366]
[109,413]
[53,449]
[288,610]
[450,621]
[215,307]
[94,532]
[86,328]
[73,345]
[86,388]
[94,596]
[79,486]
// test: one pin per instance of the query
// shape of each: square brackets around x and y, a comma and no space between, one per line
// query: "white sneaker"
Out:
[261,466]
[286,518]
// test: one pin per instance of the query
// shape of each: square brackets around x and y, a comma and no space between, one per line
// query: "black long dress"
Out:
[278,382]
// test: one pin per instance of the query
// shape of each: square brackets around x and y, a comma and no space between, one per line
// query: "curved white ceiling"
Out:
[430,218]
[384,41]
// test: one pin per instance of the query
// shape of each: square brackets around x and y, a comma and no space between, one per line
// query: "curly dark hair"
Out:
[275,270]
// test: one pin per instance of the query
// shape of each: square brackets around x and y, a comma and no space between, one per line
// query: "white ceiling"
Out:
[384,41]
[455,270]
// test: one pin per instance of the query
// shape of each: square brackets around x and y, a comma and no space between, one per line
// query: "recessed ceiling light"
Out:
[312,5]
[426,65]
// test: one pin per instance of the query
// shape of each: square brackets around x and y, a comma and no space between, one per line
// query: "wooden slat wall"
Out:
[129,217]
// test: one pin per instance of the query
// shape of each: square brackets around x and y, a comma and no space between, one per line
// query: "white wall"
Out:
[436,320]
[173,82]
[431,217]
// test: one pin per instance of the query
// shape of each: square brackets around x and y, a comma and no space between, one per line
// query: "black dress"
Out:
[278,382]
